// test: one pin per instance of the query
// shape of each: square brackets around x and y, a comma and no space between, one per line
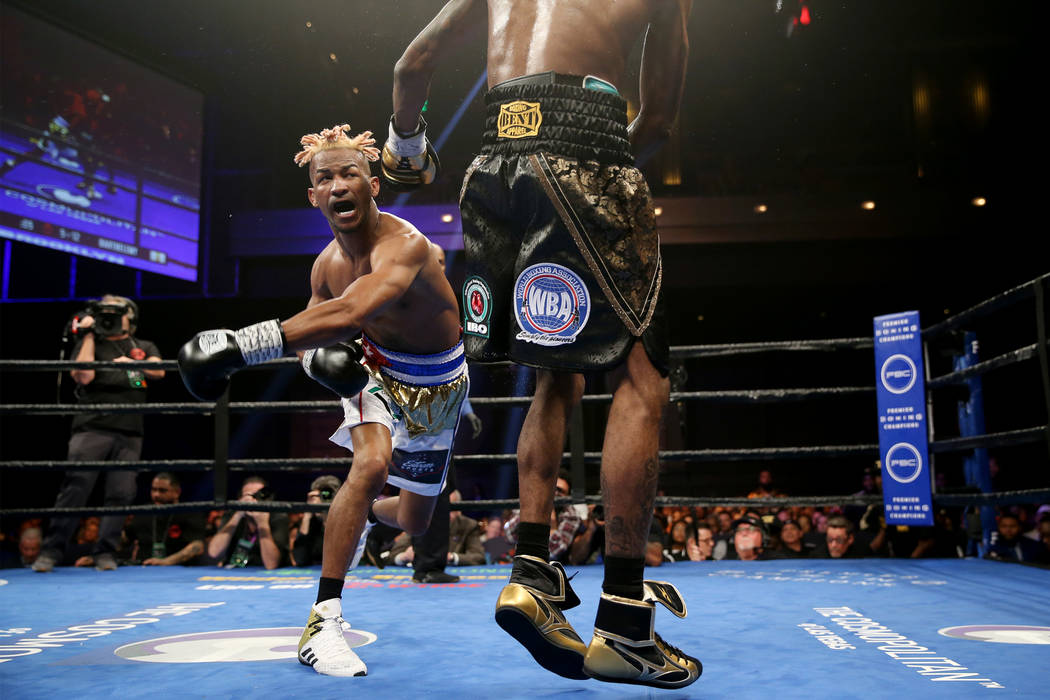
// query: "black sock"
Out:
[624,577]
[372,516]
[534,540]
[329,588]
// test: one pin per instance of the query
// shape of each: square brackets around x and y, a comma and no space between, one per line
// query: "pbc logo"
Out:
[903,462]
[477,307]
[518,120]
[551,304]
[898,374]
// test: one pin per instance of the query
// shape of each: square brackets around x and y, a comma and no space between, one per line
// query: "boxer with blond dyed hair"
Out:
[402,384]
[336,137]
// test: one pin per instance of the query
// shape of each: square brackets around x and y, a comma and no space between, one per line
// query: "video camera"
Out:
[109,317]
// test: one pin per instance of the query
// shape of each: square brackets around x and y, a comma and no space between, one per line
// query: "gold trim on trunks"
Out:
[425,409]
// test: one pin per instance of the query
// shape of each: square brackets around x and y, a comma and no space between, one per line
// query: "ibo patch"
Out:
[551,304]
[477,306]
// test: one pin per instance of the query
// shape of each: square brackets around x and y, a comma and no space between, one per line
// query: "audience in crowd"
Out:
[701,543]
[251,538]
[678,533]
[750,539]
[765,488]
[30,541]
[654,546]
[677,539]
[498,549]
[1008,544]
[791,545]
[589,544]
[566,522]
[163,539]
[307,538]
[464,538]
[840,542]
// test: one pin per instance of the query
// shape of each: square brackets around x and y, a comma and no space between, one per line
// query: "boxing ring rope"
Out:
[222,409]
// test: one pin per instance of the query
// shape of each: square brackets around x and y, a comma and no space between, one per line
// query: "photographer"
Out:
[259,538]
[309,543]
[106,332]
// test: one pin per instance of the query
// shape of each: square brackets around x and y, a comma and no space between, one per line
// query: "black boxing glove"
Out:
[337,367]
[207,361]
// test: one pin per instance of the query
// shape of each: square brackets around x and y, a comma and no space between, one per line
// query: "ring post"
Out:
[222,447]
[1041,316]
[971,422]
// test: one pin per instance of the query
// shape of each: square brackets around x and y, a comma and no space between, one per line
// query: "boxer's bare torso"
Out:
[577,37]
[379,274]
[424,319]
[581,37]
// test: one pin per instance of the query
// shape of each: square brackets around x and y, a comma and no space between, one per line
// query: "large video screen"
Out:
[99,156]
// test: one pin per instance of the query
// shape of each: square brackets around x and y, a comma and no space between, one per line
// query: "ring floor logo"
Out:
[1001,634]
[225,646]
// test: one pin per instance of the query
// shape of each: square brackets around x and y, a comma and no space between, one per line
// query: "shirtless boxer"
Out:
[563,274]
[379,277]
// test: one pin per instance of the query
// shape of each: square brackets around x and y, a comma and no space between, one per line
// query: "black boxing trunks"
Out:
[563,258]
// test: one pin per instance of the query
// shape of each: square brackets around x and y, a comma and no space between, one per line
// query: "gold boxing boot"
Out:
[626,648]
[529,609]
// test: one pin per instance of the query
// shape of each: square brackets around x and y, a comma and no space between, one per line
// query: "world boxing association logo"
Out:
[518,120]
[551,304]
[477,307]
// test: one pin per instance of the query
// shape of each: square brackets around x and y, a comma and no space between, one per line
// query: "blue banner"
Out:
[900,390]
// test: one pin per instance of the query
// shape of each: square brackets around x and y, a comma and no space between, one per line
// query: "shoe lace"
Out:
[675,650]
[331,639]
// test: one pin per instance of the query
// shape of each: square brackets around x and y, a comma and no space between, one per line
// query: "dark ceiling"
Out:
[831,107]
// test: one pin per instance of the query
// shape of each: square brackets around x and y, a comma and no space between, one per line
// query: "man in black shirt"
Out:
[251,538]
[103,436]
[164,539]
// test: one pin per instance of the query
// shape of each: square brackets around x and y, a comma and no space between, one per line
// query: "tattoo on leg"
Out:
[627,536]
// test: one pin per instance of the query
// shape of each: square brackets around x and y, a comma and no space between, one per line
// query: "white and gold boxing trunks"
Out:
[418,399]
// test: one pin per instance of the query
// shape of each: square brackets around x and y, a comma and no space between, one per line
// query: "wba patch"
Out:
[551,304]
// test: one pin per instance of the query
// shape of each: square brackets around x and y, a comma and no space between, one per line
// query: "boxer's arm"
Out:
[662,78]
[318,287]
[395,265]
[452,27]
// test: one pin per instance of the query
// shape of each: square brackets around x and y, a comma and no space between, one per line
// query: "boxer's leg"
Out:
[629,457]
[349,510]
[542,441]
[625,648]
[530,606]
[322,645]
[408,511]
